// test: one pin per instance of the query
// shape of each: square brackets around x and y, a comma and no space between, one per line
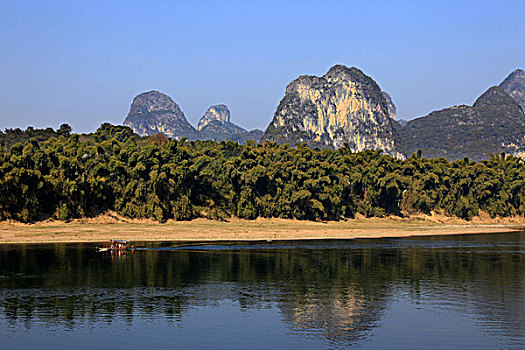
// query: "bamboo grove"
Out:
[70,176]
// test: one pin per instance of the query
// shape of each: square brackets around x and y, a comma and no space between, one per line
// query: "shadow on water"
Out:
[332,290]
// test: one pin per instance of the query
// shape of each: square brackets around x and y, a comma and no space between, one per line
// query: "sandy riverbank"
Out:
[109,227]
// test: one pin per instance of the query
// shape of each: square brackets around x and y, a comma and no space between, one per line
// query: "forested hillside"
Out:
[154,177]
[494,124]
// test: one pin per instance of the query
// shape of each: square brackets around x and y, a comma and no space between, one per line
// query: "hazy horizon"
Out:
[83,63]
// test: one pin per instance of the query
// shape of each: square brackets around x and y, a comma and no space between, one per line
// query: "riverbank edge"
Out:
[202,230]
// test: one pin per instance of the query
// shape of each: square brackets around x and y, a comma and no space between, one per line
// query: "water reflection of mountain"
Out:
[337,293]
[345,317]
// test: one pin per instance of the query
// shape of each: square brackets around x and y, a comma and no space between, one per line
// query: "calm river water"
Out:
[463,292]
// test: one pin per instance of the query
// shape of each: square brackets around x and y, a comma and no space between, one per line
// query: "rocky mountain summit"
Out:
[514,85]
[343,106]
[216,120]
[216,125]
[219,113]
[153,112]
[494,124]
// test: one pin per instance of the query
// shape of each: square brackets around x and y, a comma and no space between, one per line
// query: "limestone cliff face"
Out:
[514,86]
[216,120]
[154,112]
[391,107]
[343,106]
[220,113]
[216,125]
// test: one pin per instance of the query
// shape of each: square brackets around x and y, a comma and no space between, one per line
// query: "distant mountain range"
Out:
[154,112]
[345,107]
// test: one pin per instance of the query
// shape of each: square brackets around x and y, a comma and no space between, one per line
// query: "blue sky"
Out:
[82,62]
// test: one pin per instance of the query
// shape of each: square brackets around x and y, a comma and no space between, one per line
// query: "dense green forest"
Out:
[68,176]
[9,137]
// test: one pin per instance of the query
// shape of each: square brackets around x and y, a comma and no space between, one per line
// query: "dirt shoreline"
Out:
[110,227]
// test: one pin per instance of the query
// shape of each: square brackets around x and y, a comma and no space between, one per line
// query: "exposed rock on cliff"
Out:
[219,113]
[494,124]
[343,106]
[216,125]
[391,107]
[216,120]
[154,112]
[514,85]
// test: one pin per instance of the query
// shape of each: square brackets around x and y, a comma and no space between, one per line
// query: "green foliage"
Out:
[76,176]
[9,137]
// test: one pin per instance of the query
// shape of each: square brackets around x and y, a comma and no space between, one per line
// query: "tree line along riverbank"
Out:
[71,176]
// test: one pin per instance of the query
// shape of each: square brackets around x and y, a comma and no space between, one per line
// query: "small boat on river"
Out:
[116,245]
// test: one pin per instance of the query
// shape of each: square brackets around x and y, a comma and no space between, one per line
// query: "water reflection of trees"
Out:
[339,294]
